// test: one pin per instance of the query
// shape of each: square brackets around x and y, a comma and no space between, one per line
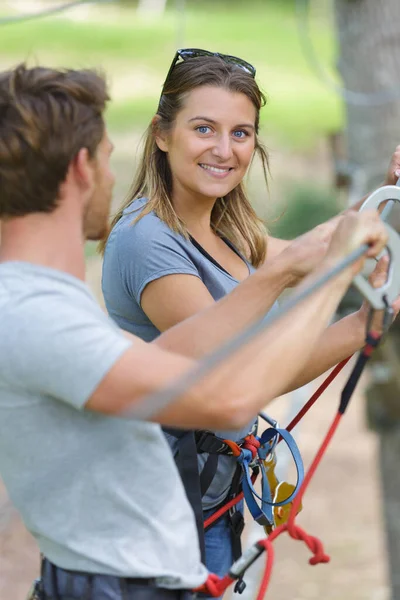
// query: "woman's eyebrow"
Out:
[200,118]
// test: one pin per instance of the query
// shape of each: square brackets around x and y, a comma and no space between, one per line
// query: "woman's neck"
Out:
[196,214]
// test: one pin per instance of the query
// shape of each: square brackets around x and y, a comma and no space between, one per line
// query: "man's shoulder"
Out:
[28,287]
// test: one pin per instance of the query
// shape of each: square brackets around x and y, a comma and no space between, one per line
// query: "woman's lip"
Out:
[220,174]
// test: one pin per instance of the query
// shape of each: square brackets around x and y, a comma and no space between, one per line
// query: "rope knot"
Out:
[251,443]
[313,543]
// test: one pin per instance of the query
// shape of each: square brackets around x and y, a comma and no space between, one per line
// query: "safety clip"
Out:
[383,297]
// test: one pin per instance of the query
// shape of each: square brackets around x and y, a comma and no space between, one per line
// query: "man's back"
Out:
[99,494]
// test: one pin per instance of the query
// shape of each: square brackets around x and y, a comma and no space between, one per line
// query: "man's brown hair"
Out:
[46,117]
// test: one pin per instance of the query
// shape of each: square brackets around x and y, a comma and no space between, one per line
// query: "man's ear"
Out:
[159,135]
[84,167]
[81,174]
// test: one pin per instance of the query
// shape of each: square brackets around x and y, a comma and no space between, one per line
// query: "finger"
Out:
[379,276]
[377,238]
[396,307]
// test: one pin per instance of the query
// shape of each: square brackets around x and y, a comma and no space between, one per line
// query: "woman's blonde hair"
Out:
[233,216]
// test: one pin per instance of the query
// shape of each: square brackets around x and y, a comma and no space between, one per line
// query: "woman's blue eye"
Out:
[239,133]
[203,129]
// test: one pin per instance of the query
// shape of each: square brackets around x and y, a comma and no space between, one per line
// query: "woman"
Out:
[188,235]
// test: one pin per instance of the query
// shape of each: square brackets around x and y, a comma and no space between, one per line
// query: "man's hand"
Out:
[377,279]
[393,172]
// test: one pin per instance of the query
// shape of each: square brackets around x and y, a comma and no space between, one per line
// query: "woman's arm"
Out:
[174,298]
[237,389]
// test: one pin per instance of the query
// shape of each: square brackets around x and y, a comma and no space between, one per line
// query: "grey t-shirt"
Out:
[100,494]
[139,253]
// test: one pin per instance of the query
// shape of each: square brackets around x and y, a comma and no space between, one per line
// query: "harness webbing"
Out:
[215,586]
[324,385]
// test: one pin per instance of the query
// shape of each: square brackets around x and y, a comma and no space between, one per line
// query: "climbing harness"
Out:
[216,586]
[254,455]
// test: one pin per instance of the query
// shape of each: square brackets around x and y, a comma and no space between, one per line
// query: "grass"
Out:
[136,52]
[310,205]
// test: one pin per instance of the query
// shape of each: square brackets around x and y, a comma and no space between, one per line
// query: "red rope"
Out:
[221,511]
[252,444]
[216,586]
[334,373]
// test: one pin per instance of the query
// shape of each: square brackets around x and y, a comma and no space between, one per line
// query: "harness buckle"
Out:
[236,523]
[239,567]
[240,586]
[36,591]
[208,442]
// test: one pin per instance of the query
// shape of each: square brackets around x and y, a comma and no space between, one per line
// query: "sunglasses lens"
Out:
[189,53]
[242,64]
[193,53]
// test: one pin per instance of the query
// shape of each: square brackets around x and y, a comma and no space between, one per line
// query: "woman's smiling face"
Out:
[211,143]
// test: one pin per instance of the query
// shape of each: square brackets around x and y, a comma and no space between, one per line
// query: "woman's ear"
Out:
[159,135]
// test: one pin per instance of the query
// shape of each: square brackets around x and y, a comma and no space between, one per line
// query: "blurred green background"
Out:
[135,50]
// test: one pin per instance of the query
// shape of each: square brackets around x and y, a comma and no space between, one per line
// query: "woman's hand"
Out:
[354,230]
[308,250]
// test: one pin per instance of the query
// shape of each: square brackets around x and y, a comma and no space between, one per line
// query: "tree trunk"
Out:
[152,7]
[369,61]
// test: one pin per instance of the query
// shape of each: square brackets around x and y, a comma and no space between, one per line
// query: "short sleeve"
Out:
[52,346]
[148,250]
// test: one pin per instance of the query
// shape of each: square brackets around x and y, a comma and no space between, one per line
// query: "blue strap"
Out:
[264,514]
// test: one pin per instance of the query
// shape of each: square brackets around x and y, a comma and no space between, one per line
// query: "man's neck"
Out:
[50,240]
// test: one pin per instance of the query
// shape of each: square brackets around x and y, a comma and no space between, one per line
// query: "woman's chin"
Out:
[215,191]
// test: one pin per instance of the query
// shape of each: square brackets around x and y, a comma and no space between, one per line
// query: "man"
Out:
[102,495]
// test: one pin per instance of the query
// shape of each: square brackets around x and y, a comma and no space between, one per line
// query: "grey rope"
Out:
[351,97]
[157,401]
[48,12]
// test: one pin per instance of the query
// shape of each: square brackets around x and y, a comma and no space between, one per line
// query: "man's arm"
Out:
[230,395]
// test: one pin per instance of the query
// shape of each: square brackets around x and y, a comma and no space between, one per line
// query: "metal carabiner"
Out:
[273,423]
[384,296]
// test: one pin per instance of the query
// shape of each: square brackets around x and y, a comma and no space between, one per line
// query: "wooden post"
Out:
[369,60]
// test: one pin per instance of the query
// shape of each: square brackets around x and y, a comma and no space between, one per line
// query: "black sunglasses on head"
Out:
[187,53]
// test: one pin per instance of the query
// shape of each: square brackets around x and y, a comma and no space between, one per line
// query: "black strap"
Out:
[186,461]
[236,519]
[208,473]
[207,255]
[372,342]
[208,442]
